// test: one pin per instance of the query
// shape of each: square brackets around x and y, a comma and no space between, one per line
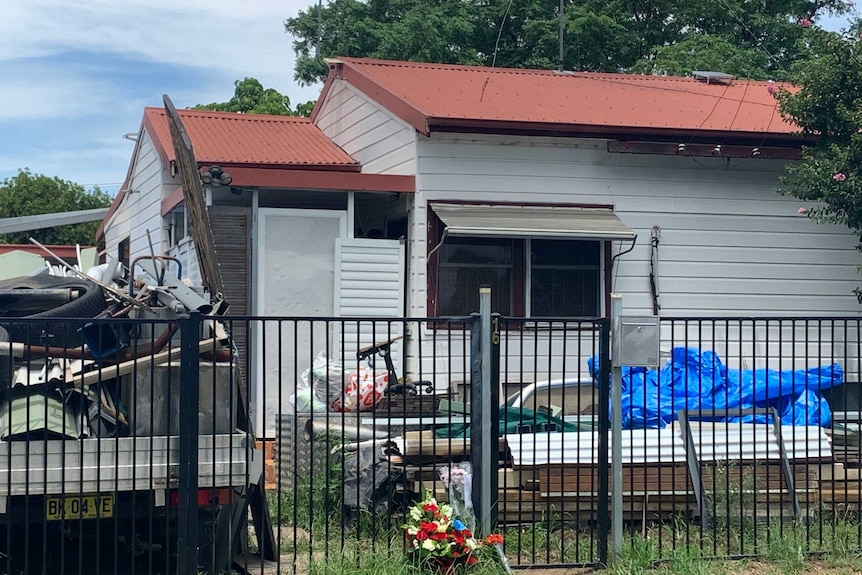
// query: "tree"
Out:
[29,194]
[828,105]
[250,97]
[749,39]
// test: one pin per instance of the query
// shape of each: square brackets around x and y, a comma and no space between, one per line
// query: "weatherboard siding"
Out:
[381,143]
[140,210]
[729,244]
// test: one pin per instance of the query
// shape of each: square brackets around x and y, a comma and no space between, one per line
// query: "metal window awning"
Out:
[532,221]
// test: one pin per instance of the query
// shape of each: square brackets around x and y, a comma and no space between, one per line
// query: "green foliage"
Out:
[829,106]
[637,556]
[706,52]
[749,39]
[29,194]
[250,97]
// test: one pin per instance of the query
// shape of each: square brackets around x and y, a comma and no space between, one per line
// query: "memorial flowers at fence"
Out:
[441,540]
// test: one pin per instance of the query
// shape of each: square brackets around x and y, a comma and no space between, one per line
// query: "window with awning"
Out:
[540,261]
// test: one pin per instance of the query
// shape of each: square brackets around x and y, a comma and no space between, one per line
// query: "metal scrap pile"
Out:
[68,341]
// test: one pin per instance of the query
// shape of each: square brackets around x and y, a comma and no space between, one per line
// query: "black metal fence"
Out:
[185,445]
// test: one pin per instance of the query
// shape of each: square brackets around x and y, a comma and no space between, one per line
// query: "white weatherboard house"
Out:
[535,182]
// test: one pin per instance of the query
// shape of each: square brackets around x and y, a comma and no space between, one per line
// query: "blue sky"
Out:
[78,73]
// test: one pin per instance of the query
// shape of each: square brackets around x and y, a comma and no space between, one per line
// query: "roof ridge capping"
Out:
[231,115]
[703,76]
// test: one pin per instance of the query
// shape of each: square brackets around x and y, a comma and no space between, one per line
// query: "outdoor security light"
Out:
[216,177]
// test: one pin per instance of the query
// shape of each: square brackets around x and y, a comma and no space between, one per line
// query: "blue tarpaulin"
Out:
[699,381]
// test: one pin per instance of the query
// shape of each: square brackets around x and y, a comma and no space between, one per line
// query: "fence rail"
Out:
[138,446]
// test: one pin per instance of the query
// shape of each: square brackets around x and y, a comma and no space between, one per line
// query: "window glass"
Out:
[564,252]
[559,292]
[459,290]
[564,279]
[563,276]
[472,251]
[466,264]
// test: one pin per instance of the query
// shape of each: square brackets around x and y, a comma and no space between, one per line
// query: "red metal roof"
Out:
[229,139]
[458,98]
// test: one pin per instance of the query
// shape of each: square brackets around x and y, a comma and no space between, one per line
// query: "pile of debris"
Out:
[67,341]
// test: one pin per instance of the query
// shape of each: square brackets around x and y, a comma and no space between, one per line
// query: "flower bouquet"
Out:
[440,539]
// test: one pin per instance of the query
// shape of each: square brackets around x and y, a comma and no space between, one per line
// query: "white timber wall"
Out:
[730,245]
[141,208]
[382,143]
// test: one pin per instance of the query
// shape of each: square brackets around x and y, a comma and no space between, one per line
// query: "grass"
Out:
[825,541]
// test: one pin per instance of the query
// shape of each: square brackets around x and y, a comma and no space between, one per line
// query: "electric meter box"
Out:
[636,341]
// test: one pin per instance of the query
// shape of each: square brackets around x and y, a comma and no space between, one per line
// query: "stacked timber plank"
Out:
[554,476]
[740,465]
[841,486]
[846,445]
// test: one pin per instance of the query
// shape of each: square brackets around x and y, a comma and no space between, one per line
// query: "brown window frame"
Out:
[435,229]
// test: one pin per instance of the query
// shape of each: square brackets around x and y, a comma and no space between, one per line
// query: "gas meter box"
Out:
[636,341]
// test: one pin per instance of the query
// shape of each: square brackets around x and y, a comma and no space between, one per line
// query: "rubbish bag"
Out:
[362,391]
[325,377]
[317,384]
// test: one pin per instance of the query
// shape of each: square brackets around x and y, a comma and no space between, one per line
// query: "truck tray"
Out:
[93,465]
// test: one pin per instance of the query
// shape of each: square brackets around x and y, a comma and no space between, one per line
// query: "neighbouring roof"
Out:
[226,139]
[442,97]
[69,253]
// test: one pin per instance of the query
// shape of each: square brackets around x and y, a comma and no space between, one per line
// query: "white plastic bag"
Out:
[325,377]
[318,385]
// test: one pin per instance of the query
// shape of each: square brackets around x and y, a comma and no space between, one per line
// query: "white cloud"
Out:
[77,75]
[232,39]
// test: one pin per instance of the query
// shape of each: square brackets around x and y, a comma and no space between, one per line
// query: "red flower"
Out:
[428,526]
[494,539]
[439,536]
[421,536]
[430,508]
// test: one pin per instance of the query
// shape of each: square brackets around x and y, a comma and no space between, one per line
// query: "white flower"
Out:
[428,544]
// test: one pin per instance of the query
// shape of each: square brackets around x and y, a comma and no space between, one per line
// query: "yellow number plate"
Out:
[79,507]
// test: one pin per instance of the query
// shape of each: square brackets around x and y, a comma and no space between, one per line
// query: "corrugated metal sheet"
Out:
[226,138]
[713,442]
[441,95]
[531,221]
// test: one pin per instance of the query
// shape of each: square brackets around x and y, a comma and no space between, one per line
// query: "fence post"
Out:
[604,427]
[189,395]
[484,411]
[616,430]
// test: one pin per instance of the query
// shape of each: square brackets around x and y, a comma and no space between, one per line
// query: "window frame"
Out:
[521,270]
